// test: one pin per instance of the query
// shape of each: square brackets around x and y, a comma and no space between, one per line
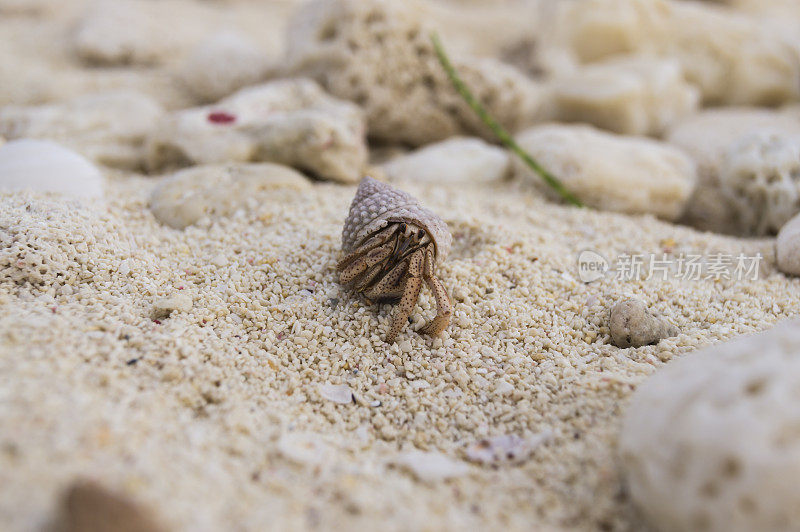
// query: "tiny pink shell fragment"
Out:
[221,117]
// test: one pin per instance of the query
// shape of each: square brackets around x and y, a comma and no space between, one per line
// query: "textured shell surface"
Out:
[378,204]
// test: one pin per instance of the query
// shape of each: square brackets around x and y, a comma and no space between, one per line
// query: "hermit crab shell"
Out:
[377,204]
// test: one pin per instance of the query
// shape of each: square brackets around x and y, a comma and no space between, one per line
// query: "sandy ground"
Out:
[192,413]
[214,417]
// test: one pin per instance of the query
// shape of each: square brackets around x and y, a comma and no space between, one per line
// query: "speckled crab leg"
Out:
[379,238]
[444,307]
[386,287]
[411,291]
[370,278]
[363,263]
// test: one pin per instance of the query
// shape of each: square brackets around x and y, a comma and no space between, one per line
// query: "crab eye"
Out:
[420,233]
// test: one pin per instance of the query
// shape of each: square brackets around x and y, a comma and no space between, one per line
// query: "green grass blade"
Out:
[505,138]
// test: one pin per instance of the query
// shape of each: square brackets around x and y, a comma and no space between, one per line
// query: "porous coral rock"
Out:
[635,95]
[218,190]
[109,128]
[708,442]
[289,122]
[708,137]
[610,172]
[760,180]
[379,54]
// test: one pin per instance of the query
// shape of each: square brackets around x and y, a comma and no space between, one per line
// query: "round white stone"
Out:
[459,160]
[44,166]
[712,441]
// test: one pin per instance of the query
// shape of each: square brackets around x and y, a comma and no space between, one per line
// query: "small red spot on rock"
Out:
[221,117]
[157,322]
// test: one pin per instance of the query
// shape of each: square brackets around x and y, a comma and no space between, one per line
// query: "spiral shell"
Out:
[378,204]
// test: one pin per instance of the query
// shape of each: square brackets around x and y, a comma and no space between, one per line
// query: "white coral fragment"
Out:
[290,122]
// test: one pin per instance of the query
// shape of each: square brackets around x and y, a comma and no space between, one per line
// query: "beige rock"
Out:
[636,95]
[379,55]
[218,190]
[109,128]
[453,161]
[708,442]
[787,247]
[118,32]
[731,57]
[598,29]
[464,24]
[611,172]
[289,122]
[221,65]
[707,137]
[760,181]
[632,324]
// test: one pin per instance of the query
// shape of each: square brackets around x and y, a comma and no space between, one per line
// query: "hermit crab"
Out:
[391,245]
